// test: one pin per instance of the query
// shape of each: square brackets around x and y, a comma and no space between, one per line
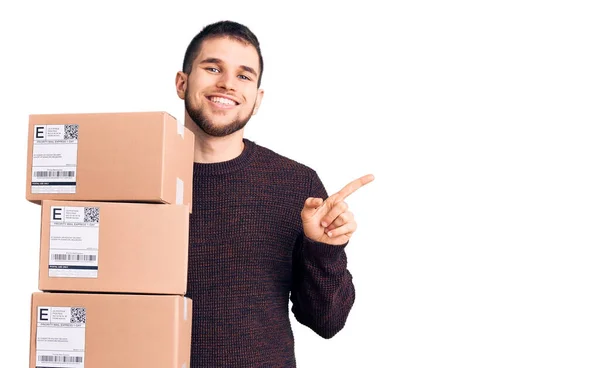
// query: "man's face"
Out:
[221,92]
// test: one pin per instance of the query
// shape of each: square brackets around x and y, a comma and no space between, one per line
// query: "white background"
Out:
[478,241]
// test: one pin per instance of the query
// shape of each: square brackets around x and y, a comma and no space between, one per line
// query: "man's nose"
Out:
[227,81]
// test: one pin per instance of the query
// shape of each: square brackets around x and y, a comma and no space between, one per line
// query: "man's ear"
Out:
[259,97]
[181,84]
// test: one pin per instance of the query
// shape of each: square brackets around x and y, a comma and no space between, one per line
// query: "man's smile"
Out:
[222,101]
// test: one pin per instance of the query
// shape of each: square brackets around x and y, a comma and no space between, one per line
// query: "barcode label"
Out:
[59,359]
[60,336]
[74,241]
[74,257]
[54,174]
[54,159]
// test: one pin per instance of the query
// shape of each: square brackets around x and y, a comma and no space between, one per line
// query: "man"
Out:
[263,230]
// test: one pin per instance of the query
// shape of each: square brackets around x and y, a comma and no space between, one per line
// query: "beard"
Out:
[203,122]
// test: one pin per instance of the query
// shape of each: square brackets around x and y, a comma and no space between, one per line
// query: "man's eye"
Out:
[214,70]
[244,77]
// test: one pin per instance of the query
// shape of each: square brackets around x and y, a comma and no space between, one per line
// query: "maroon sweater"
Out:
[248,258]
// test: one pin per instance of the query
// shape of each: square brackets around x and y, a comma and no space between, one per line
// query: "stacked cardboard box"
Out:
[115,193]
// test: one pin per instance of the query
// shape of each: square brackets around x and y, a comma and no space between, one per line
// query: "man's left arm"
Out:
[322,290]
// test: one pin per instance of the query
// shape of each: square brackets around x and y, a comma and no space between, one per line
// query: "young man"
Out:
[263,230]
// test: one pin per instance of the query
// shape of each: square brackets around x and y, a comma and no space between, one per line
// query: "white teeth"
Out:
[223,101]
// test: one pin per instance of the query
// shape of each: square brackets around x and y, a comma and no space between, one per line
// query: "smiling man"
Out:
[263,231]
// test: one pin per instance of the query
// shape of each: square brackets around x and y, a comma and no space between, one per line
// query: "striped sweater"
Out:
[249,263]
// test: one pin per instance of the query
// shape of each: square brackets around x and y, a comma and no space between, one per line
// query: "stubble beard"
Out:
[202,121]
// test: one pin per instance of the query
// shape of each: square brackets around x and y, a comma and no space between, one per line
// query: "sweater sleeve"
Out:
[322,291]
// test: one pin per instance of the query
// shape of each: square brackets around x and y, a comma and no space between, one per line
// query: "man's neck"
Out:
[209,149]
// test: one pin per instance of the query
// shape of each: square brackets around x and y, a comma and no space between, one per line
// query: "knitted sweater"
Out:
[248,258]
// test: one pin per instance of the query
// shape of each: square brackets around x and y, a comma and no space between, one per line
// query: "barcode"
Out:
[60,359]
[91,214]
[71,131]
[53,174]
[73,257]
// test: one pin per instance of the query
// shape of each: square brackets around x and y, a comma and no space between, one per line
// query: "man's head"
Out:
[224,28]
[220,78]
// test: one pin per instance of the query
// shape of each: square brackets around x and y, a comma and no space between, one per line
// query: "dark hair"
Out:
[225,28]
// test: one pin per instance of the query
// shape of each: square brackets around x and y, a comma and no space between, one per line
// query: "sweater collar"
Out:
[224,167]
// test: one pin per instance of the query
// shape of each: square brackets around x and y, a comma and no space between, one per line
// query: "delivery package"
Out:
[128,156]
[109,330]
[113,247]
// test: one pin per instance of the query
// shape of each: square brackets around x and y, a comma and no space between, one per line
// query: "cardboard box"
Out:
[113,247]
[110,330]
[131,157]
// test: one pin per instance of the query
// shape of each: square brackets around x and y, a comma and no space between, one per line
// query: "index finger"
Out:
[353,186]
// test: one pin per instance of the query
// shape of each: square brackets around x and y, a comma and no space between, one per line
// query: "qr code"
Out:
[71,131]
[77,315]
[91,214]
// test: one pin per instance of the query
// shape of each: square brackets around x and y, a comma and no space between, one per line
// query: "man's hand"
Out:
[329,221]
